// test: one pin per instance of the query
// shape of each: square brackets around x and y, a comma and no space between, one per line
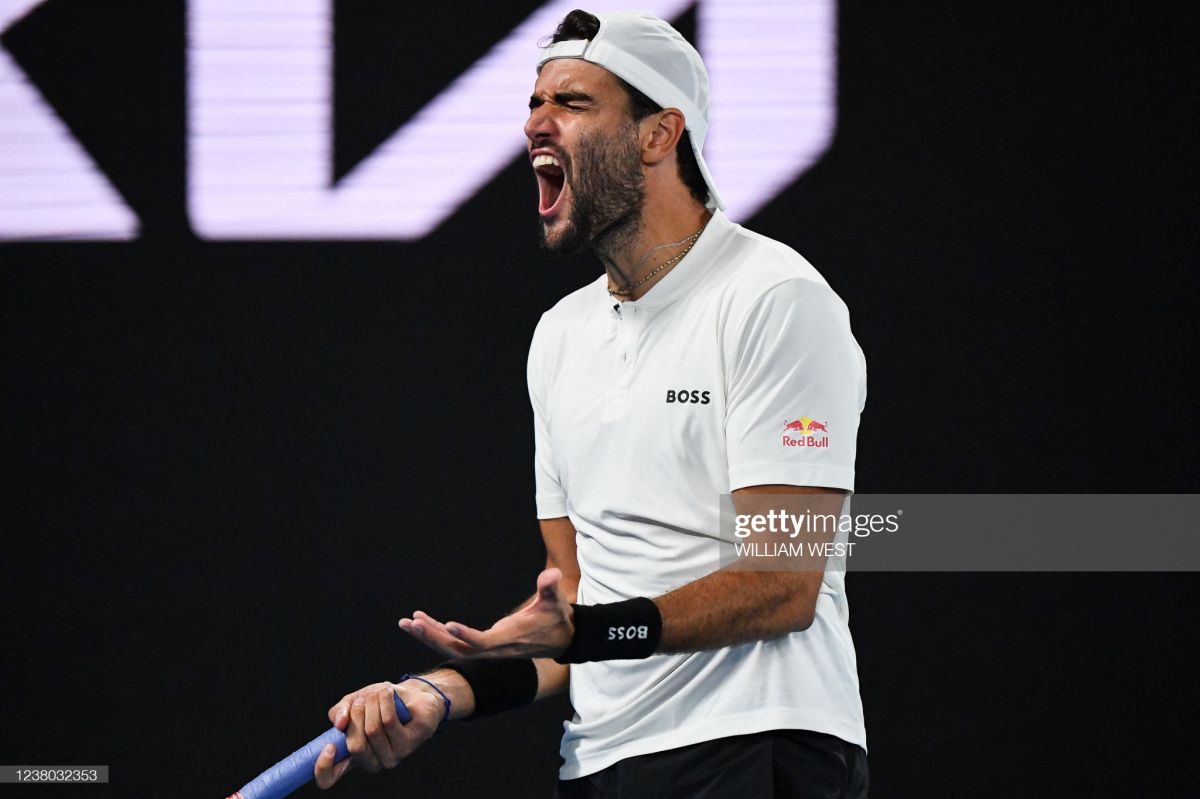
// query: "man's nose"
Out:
[540,125]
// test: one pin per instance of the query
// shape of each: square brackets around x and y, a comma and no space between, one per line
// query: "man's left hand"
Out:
[542,628]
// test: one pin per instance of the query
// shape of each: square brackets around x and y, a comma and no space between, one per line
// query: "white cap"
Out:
[655,59]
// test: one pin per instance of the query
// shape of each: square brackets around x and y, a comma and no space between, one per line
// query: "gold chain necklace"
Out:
[690,241]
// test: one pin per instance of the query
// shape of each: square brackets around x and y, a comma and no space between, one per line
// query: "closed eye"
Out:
[572,101]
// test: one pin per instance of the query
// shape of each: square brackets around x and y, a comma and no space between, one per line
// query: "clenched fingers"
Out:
[356,738]
[326,772]
[385,740]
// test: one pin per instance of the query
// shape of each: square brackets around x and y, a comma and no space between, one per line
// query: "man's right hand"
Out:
[374,736]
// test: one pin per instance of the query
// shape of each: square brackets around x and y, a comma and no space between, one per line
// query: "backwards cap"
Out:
[655,59]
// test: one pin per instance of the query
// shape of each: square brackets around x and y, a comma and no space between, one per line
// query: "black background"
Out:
[230,467]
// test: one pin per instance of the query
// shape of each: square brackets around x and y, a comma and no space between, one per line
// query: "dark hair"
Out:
[582,25]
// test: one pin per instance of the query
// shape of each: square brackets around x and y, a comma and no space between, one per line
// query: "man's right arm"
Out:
[559,536]
[376,739]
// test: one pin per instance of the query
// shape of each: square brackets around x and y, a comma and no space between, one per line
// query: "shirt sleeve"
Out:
[796,387]
[549,497]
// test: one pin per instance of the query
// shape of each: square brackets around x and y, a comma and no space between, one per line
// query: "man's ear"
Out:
[660,132]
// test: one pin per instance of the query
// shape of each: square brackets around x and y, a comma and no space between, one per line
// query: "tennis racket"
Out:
[297,768]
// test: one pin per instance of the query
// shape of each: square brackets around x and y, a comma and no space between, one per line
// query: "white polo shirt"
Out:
[645,413]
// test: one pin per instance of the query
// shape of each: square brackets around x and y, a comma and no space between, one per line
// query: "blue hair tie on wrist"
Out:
[441,693]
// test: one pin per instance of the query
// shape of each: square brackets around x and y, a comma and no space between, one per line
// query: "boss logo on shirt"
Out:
[628,633]
[802,432]
[688,395]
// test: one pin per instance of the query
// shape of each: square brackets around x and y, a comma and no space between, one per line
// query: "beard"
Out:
[608,194]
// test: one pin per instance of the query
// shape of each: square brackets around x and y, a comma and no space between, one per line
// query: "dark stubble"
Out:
[608,192]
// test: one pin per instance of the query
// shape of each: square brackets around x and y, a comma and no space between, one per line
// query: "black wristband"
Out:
[498,683]
[626,630]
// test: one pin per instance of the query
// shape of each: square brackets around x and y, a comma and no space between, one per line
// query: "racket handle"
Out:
[297,768]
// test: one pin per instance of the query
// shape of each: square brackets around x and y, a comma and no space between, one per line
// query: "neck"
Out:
[633,259]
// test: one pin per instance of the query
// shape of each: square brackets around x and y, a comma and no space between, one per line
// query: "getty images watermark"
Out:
[781,533]
[797,532]
[959,532]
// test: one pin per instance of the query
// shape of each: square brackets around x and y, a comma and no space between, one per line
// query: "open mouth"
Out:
[551,182]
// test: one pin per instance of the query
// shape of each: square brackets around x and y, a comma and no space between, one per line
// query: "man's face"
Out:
[586,155]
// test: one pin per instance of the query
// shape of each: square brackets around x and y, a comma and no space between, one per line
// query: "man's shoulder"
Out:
[575,304]
[573,309]
[752,267]
[753,263]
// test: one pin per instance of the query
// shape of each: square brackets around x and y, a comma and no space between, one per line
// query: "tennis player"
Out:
[707,360]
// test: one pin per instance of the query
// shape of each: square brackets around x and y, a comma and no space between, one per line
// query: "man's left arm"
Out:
[727,607]
[734,606]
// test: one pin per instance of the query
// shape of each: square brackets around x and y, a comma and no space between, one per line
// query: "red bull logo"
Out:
[802,433]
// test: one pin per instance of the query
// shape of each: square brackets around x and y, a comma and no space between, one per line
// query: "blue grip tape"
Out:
[297,768]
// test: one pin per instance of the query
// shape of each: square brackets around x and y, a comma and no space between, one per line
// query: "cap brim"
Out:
[714,199]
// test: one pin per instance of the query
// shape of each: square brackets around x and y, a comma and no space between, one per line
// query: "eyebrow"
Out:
[561,98]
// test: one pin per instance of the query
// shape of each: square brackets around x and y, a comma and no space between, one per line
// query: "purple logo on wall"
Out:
[260,124]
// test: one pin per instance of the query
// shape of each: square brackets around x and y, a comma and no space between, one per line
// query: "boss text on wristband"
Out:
[627,630]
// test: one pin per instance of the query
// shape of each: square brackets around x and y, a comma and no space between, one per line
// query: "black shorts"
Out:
[781,764]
